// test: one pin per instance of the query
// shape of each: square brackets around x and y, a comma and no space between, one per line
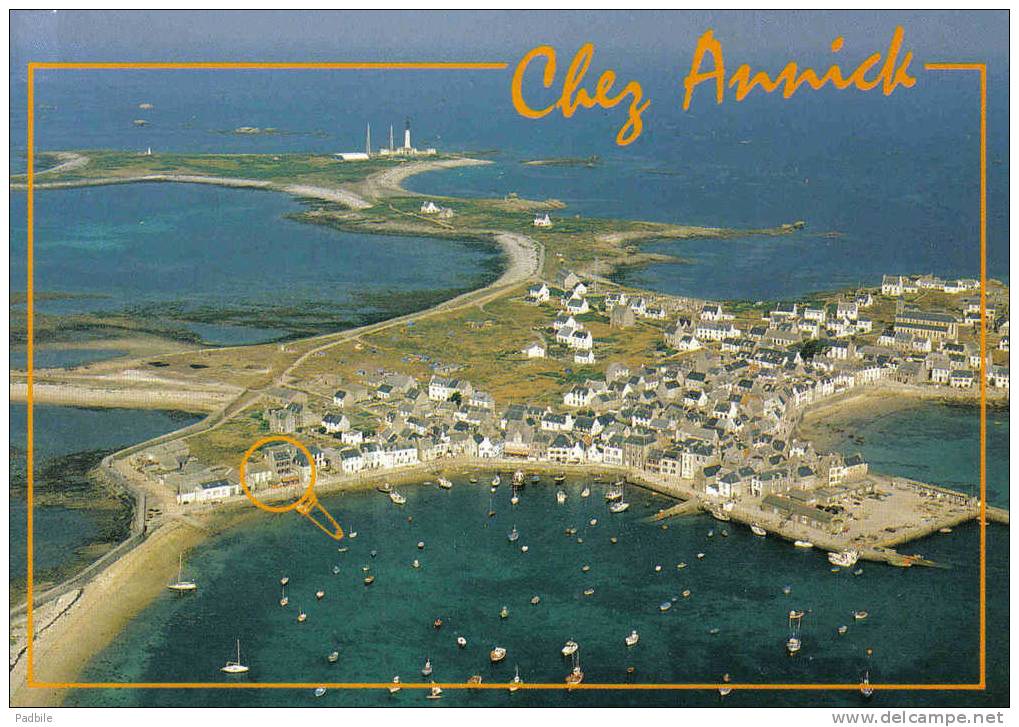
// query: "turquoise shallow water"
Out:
[923,623]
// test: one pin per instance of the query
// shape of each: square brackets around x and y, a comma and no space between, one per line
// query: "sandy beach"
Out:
[64,648]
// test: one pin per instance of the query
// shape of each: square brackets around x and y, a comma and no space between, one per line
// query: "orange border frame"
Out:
[981,68]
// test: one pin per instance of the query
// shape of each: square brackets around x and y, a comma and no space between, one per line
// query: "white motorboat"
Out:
[845,558]
[397,498]
[664,606]
[302,617]
[334,656]
[445,483]
[860,615]
[235,667]
[560,497]
[504,612]
[319,691]
[615,492]
[180,585]
[617,507]
[758,530]
[570,648]
[496,481]
[515,500]
[633,638]
[461,642]
[576,676]
[320,595]
[284,580]
[435,693]
[513,535]
[586,492]
[720,515]
[793,645]
[395,687]
[803,544]
[497,654]
[725,690]
[426,670]
[284,599]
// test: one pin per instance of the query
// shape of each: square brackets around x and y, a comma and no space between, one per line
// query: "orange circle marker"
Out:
[307,504]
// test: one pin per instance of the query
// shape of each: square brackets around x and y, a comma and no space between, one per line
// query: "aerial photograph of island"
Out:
[429,359]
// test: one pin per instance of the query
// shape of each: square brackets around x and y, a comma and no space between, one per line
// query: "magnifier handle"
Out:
[312,509]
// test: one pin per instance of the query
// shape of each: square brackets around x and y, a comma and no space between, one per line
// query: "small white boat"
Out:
[334,656]
[513,535]
[614,493]
[803,544]
[445,484]
[235,667]
[504,612]
[860,615]
[385,488]
[496,481]
[700,556]
[421,545]
[435,693]
[518,477]
[593,521]
[793,645]
[576,676]
[284,599]
[758,530]
[426,670]
[664,606]
[865,688]
[570,648]
[514,500]
[620,506]
[319,691]
[320,595]
[395,687]
[416,563]
[336,570]
[535,600]
[841,630]
[516,681]
[586,492]
[302,617]
[284,580]
[632,639]
[461,642]
[497,654]
[560,497]
[845,558]
[397,498]
[720,515]
[725,690]
[180,585]
[681,565]
[524,548]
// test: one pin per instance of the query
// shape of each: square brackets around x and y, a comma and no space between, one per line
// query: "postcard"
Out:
[509,359]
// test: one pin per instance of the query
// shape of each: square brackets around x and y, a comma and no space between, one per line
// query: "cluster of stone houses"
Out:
[430,208]
[896,285]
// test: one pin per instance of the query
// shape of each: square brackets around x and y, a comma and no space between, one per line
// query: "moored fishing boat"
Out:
[445,483]
[576,676]
[474,680]
[513,535]
[334,656]
[620,506]
[725,690]
[586,492]
[302,617]
[426,670]
[320,595]
[435,693]
[497,654]
[860,615]
[803,544]
[865,688]
[504,612]
[284,600]
[395,686]
[461,642]
[518,477]
[664,606]
[385,488]
[560,497]
[758,530]
[615,492]
[319,691]
[569,648]
[719,514]
[397,498]
[496,481]
[284,580]
[793,645]
[633,638]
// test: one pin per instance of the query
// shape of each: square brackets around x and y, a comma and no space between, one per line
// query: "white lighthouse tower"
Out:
[406,136]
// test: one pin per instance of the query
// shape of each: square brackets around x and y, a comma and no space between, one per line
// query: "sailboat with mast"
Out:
[235,667]
[180,585]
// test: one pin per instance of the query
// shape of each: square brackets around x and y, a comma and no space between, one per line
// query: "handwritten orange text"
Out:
[890,76]
[575,96]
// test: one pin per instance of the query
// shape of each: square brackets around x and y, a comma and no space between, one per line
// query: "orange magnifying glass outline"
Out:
[307,504]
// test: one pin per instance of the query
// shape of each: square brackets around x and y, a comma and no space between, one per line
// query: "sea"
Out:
[884,185]
[922,626]
[69,438]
